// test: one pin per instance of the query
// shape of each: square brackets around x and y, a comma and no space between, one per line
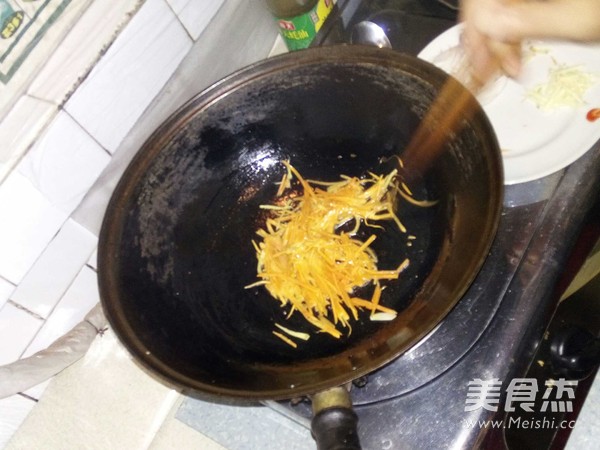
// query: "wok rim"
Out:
[110,234]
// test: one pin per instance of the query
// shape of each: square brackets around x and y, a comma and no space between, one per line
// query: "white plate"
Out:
[534,143]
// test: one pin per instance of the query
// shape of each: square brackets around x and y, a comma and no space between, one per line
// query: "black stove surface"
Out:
[419,400]
[409,24]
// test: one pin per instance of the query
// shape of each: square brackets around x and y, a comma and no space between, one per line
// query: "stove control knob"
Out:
[574,352]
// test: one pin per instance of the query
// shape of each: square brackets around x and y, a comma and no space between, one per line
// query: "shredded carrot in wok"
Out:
[306,262]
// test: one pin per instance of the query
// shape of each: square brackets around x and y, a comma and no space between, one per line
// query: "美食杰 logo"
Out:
[522,394]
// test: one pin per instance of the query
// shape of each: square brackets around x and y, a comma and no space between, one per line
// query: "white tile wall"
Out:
[81,48]
[64,163]
[27,54]
[48,184]
[20,128]
[195,14]
[28,224]
[17,330]
[129,76]
[47,259]
[52,274]
[6,289]
[79,299]
[93,261]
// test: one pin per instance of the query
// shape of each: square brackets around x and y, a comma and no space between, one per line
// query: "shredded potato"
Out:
[531,50]
[296,334]
[285,339]
[306,262]
[566,86]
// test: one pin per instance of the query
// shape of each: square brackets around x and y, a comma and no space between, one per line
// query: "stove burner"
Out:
[409,25]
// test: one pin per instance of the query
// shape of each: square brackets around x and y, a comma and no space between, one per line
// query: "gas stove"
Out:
[500,348]
[409,24]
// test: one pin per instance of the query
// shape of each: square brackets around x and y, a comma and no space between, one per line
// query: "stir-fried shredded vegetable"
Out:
[306,260]
[566,86]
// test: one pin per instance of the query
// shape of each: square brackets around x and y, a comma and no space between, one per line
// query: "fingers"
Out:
[507,56]
[494,29]
[488,55]
[565,19]
[489,58]
[483,64]
[515,20]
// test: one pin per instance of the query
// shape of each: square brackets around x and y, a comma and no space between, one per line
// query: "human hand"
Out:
[494,29]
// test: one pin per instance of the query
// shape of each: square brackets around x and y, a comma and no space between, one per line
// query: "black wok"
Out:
[175,249]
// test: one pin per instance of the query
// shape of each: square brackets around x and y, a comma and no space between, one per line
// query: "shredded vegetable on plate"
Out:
[306,259]
[566,86]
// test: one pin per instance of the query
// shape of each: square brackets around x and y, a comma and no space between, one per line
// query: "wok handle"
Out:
[334,423]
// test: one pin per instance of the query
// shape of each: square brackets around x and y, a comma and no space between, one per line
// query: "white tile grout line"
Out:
[32,142]
[28,397]
[86,131]
[32,314]
[7,281]
[67,287]
[37,316]
[179,20]
[22,308]
[102,51]
[78,82]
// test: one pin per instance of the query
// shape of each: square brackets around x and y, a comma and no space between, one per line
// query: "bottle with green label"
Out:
[299,20]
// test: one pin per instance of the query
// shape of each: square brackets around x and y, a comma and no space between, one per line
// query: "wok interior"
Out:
[176,248]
